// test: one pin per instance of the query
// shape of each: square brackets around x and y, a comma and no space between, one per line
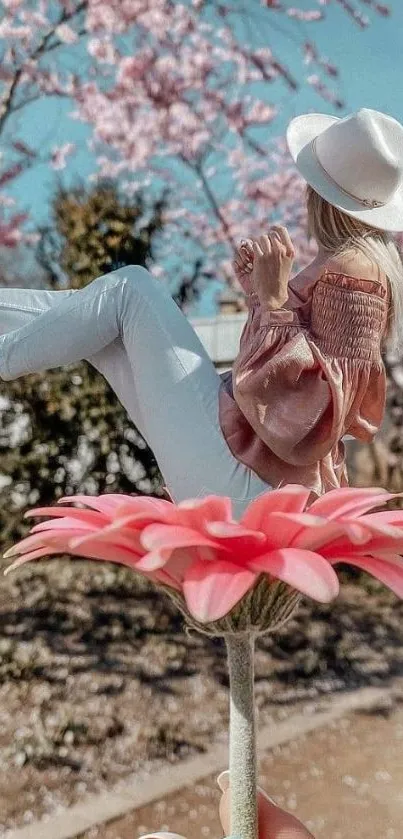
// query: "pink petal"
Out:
[53,538]
[175,563]
[283,529]
[137,501]
[126,537]
[180,560]
[66,523]
[90,516]
[21,560]
[153,561]
[319,533]
[211,590]
[349,501]
[237,538]
[138,521]
[96,549]
[116,541]
[289,499]
[215,506]
[24,545]
[162,576]
[195,512]
[380,538]
[144,508]
[388,573]
[392,518]
[104,503]
[306,531]
[393,559]
[158,536]
[192,513]
[305,571]
[384,538]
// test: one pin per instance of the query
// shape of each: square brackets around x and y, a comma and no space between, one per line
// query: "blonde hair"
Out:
[338,233]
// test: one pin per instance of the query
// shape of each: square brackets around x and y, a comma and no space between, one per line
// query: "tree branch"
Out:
[7,107]
[213,203]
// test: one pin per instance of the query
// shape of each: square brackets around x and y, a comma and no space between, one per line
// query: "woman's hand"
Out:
[274,823]
[243,264]
[273,257]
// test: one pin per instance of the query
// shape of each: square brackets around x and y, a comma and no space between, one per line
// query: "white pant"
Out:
[128,327]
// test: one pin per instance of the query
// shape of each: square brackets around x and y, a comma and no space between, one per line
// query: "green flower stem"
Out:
[242,736]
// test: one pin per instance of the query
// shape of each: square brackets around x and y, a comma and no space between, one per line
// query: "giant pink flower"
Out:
[198,549]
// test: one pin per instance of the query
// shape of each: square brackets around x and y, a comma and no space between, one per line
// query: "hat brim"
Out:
[300,133]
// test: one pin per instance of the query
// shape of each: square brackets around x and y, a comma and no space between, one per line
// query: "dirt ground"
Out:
[98,679]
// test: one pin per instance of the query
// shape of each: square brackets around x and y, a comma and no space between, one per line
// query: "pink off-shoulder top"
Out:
[307,375]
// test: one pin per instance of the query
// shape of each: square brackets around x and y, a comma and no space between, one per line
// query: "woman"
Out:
[309,370]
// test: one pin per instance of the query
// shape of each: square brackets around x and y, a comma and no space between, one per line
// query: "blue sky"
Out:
[371,66]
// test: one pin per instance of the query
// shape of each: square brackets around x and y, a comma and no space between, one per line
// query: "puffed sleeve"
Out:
[303,386]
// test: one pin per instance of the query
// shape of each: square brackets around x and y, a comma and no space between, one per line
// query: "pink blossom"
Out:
[6,200]
[104,15]
[12,5]
[133,68]
[261,112]
[60,154]
[11,230]
[197,548]
[307,16]
[66,34]
[8,31]
[103,50]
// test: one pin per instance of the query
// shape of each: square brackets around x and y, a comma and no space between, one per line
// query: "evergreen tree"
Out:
[94,232]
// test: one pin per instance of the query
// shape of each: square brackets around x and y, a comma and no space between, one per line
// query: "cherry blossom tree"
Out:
[178,95]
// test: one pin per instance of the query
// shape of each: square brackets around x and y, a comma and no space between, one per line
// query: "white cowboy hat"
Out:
[355,163]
